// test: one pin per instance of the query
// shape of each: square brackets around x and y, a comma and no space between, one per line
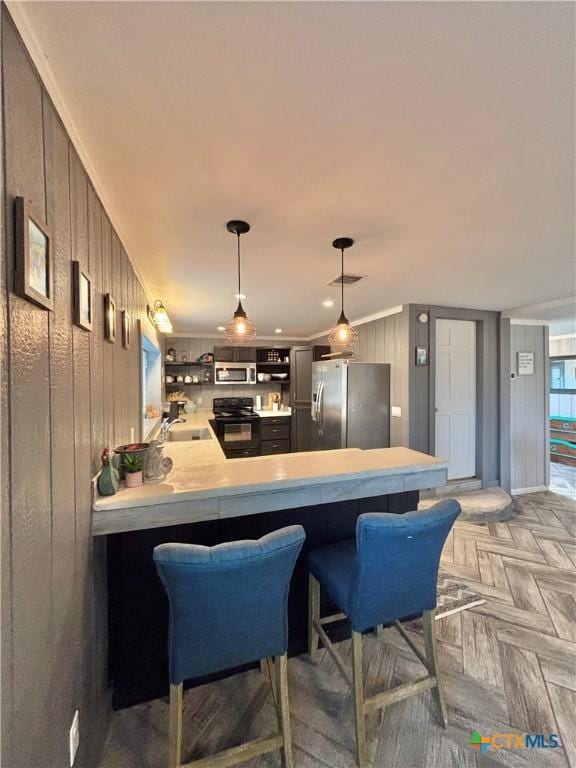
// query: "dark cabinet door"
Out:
[224,354]
[270,447]
[301,375]
[301,427]
[275,431]
[245,354]
[318,350]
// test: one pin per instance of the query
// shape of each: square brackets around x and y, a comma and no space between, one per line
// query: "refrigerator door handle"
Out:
[320,406]
[316,402]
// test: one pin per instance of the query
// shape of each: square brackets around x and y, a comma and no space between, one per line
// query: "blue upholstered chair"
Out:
[387,573]
[228,606]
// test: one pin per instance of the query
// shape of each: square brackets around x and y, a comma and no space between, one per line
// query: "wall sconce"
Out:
[159,317]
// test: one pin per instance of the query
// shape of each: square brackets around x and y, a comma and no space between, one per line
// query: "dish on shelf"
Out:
[279,376]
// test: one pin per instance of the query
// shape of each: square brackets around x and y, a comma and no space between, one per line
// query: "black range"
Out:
[237,426]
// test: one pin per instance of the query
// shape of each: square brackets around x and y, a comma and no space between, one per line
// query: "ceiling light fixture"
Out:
[220,328]
[343,335]
[327,303]
[278,330]
[240,296]
[159,317]
[239,330]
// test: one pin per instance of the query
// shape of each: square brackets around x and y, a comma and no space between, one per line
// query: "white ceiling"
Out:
[559,315]
[439,135]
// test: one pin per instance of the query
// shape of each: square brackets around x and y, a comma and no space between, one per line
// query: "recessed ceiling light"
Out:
[239,296]
[328,303]
[278,330]
[220,328]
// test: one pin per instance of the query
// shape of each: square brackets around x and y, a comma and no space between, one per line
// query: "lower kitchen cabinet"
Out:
[270,447]
[275,435]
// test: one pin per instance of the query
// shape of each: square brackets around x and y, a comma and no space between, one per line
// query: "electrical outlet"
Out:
[397,411]
[200,400]
[74,737]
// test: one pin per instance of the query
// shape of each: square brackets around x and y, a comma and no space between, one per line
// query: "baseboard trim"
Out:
[522,491]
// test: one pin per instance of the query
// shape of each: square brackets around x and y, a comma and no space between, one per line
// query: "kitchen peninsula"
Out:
[208,499]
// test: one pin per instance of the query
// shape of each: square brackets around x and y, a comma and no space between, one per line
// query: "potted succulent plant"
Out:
[132,464]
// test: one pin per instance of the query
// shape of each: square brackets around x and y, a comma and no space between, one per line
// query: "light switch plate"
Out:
[74,737]
[397,411]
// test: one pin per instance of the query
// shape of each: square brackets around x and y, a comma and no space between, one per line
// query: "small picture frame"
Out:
[33,277]
[126,329]
[82,297]
[109,318]
[421,356]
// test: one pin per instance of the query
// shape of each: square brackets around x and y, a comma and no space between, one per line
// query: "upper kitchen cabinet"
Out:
[235,354]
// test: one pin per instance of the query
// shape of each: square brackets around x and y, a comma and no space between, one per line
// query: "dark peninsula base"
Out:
[138,608]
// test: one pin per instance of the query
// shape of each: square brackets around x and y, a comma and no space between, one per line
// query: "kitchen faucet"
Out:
[167,426]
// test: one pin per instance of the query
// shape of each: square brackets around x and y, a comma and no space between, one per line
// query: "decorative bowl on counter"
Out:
[138,448]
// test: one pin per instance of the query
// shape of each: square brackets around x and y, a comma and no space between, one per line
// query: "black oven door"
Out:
[238,437]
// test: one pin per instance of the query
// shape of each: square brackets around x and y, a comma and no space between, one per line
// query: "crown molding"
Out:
[519,321]
[363,320]
[219,335]
[19,16]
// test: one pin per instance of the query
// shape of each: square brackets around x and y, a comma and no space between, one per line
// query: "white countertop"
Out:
[266,414]
[206,485]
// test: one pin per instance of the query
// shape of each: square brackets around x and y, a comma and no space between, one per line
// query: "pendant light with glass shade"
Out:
[342,335]
[239,330]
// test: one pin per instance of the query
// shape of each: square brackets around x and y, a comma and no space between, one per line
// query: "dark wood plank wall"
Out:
[65,394]
[5,572]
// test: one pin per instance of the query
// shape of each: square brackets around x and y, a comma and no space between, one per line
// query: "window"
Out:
[144,381]
[151,385]
[563,375]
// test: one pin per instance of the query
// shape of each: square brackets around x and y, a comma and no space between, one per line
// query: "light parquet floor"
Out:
[509,666]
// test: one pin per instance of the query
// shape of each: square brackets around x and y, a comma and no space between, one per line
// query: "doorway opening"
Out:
[563,424]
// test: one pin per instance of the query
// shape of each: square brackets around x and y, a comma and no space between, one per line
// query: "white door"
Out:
[456,396]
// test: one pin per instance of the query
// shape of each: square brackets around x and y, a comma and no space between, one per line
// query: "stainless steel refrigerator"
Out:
[350,405]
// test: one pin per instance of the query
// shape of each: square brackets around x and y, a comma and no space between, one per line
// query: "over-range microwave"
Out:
[234,373]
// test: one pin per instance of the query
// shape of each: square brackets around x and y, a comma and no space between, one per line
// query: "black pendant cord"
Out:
[239,291]
[342,280]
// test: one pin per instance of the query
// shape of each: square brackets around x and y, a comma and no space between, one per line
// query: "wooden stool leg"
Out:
[359,699]
[175,726]
[428,622]
[281,667]
[313,612]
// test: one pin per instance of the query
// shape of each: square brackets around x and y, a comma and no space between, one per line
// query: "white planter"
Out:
[133,479]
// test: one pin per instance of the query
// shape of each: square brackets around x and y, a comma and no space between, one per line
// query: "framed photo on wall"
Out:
[109,318]
[33,278]
[421,356]
[82,297]
[126,329]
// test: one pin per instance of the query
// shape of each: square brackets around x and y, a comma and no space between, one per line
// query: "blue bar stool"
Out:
[228,606]
[387,573]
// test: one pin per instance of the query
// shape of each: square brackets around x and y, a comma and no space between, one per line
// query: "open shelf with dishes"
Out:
[181,373]
[273,365]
